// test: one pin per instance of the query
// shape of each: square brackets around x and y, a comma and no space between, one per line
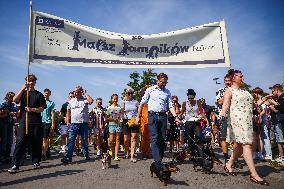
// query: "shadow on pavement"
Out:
[263,171]
[43,176]
[175,182]
[114,166]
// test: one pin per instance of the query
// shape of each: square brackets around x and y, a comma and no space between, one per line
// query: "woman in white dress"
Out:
[238,104]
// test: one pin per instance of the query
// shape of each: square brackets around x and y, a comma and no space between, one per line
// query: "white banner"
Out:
[62,42]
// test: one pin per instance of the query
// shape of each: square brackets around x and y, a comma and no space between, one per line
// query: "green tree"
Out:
[148,78]
[247,87]
[138,81]
[58,118]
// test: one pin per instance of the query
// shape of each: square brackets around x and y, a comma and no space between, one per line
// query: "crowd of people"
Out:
[249,123]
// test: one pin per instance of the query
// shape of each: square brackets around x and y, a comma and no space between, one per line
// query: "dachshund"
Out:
[163,171]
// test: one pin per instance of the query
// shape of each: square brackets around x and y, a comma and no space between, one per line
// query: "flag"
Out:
[63,42]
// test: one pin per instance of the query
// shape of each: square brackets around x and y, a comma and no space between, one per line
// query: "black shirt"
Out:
[280,107]
[64,109]
[64,112]
[36,100]
[280,100]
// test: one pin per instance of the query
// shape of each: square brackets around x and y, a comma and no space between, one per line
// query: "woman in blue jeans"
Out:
[265,117]
[266,125]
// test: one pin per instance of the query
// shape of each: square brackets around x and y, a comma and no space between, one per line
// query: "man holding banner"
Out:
[34,107]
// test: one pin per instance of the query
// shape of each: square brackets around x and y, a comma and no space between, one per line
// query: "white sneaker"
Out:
[280,160]
[268,158]
[99,153]
[62,152]
[63,149]
[138,150]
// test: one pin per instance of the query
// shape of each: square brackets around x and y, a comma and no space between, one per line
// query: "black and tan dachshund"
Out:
[206,160]
[163,171]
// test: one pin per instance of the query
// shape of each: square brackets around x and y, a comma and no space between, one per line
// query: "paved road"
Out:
[123,174]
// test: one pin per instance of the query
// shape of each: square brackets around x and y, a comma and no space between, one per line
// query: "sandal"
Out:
[133,160]
[263,182]
[227,171]
[116,159]
[126,156]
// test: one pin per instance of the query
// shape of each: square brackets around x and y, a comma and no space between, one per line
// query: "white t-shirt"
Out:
[191,112]
[130,108]
[79,110]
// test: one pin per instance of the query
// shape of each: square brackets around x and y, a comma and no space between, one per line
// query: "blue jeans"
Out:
[82,129]
[157,125]
[265,132]
[279,132]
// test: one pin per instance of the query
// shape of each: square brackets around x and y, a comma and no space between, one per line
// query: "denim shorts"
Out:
[99,132]
[63,130]
[279,132]
[223,129]
[114,129]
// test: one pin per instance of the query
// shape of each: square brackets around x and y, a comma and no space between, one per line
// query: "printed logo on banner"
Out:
[150,52]
[43,21]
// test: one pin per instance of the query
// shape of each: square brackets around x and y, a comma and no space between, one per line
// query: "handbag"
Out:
[131,122]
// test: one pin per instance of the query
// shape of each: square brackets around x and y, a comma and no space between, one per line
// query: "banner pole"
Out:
[29,61]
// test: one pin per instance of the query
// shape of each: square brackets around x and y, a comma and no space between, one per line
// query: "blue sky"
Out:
[255,31]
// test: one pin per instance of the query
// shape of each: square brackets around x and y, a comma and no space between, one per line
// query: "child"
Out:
[114,118]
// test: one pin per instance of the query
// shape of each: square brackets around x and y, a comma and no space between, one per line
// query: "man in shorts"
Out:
[278,108]
[48,121]
[223,123]
[63,125]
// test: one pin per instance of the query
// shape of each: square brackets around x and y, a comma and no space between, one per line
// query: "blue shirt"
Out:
[11,107]
[46,114]
[158,100]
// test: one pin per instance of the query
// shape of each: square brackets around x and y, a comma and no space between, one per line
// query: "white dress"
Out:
[240,127]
